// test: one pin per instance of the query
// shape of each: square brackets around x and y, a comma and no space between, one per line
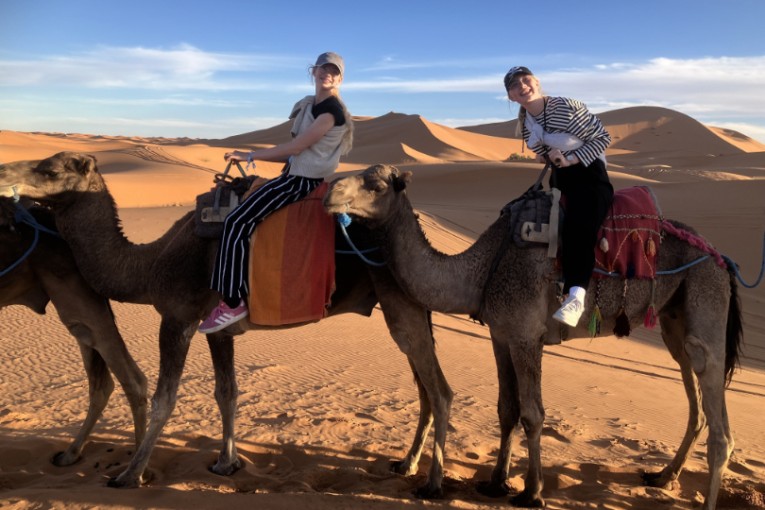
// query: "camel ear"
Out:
[83,163]
[401,180]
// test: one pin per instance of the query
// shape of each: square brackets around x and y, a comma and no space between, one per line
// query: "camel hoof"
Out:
[126,482]
[428,492]
[401,467]
[492,489]
[226,469]
[116,483]
[526,500]
[658,479]
[63,459]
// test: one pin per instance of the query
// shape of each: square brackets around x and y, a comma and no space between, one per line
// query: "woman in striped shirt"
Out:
[575,141]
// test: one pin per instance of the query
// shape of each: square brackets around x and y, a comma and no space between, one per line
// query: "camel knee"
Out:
[532,422]
[697,354]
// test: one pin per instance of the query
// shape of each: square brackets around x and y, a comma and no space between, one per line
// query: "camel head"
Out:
[369,196]
[47,179]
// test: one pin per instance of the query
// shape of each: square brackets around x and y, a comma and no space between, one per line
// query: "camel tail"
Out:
[734,330]
[430,325]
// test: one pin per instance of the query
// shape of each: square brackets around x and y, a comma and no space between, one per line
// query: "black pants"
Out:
[588,197]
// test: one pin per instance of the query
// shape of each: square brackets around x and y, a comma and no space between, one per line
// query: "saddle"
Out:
[629,236]
[292,252]
[292,264]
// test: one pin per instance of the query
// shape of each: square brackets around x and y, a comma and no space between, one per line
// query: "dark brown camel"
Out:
[173,274]
[698,311]
[49,273]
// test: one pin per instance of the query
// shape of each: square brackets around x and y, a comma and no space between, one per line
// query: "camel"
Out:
[49,274]
[175,272]
[698,312]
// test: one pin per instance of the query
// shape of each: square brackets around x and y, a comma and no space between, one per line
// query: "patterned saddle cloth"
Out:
[630,236]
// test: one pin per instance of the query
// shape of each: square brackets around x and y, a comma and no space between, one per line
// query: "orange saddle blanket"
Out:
[292,264]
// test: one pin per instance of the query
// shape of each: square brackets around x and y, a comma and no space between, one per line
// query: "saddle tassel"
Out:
[622,323]
[650,315]
[596,319]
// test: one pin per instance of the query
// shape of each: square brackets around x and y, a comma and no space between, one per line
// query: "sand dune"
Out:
[325,407]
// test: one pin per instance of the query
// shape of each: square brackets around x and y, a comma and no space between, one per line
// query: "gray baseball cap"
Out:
[331,58]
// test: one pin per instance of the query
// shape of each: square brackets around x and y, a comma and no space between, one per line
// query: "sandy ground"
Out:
[324,408]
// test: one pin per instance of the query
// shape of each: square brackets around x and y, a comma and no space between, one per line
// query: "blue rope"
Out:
[344,220]
[734,266]
[24,216]
[658,273]
[23,257]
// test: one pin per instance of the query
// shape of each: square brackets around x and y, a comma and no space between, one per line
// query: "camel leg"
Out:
[673,333]
[526,354]
[132,380]
[222,352]
[508,409]
[112,349]
[100,387]
[719,442]
[706,312]
[408,465]
[89,319]
[174,341]
[410,327]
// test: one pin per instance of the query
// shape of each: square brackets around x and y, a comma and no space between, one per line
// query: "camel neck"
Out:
[441,282]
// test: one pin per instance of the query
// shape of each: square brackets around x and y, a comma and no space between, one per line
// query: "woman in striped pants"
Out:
[322,132]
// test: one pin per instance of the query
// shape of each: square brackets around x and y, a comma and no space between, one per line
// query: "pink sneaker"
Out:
[222,316]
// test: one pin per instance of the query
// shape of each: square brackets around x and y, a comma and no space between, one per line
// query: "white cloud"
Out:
[715,90]
[182,67]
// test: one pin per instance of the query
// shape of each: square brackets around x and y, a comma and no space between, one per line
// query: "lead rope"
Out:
[734,267]
[24,216]
[344,220]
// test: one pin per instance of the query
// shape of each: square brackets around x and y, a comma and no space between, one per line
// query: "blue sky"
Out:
[219,68]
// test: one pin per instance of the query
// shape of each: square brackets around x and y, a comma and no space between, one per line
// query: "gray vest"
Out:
[321,159]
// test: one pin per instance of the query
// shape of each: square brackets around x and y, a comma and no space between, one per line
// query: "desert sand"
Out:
[324,408]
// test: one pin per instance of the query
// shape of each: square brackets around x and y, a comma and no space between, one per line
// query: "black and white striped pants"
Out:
[230,274]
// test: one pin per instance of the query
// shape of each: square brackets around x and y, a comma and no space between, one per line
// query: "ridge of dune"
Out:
[655,129]
[378,139]
[650,129]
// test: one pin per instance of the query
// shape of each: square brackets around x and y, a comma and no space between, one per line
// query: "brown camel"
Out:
[49,273]
[174,277]
[698,311]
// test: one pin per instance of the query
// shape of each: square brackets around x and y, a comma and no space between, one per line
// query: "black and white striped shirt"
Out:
[565,115]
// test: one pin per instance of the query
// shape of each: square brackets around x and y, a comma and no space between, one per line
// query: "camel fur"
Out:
[49,274]
[698,312]
[174,277]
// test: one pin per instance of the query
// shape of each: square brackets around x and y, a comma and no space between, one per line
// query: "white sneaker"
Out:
[570,311]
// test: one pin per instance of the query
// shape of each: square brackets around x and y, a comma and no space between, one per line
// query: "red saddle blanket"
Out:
[292,264]
[630,235]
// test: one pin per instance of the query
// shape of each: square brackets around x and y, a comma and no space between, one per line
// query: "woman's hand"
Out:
[235,156]
[557,157]
[561,161]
